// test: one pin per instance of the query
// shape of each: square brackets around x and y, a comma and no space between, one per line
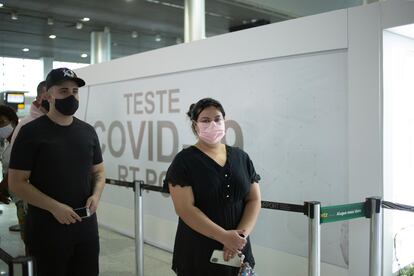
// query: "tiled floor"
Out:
[117,256]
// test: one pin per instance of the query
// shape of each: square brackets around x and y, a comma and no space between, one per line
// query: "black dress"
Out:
[219,192]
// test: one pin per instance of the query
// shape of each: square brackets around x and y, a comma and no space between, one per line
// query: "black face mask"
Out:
[67,106]
[45,105]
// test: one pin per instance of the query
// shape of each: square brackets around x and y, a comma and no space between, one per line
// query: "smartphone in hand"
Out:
[83,212]
[217,258]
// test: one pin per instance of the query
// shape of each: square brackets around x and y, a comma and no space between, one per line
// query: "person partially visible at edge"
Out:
[39,107]
[215,191]
[8,122]
[56,166]
[36,110]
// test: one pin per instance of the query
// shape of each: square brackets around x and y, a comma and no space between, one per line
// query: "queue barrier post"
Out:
[139,229]
[374,212]
[314,238]
[137,186]
[138,220]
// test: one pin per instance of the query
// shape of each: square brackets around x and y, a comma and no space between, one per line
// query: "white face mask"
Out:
[6,131]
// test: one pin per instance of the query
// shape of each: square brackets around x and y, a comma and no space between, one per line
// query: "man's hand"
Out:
[92,203]
[65,214]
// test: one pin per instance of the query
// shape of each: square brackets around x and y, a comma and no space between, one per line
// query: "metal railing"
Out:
[18,266]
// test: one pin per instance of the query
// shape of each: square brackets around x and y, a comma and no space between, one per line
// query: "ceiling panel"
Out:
[148,18]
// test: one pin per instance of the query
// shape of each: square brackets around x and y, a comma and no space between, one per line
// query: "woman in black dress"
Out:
[215,194]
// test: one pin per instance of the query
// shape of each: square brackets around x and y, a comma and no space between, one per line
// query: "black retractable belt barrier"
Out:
[154,188]
[397,206]
[285,207]
[121,183]
[5,257]
[133,184]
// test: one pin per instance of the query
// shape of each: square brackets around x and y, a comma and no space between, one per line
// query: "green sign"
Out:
[342,212]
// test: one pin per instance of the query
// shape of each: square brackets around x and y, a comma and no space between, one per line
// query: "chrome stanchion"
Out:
[375,243]
[314,247]
[139,232]
[22,266]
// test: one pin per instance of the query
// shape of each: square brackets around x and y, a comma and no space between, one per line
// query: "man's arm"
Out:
[98,178]
[19,184]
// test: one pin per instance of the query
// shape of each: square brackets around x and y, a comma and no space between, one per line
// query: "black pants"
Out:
[63,250]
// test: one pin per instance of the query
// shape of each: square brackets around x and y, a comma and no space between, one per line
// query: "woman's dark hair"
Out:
[9,113]
[195,109]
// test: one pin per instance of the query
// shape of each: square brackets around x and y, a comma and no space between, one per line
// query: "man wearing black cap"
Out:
[56,166]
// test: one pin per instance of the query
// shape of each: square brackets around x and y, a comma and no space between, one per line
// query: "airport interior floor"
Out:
[117,257]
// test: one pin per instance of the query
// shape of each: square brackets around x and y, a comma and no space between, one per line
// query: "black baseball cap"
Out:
[57,76]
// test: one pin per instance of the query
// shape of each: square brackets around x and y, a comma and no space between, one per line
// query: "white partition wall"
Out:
[365,96]
[302,97]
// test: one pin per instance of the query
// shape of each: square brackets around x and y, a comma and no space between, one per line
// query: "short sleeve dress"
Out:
[220,193]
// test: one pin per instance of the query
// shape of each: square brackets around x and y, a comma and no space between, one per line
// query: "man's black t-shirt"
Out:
[60,158]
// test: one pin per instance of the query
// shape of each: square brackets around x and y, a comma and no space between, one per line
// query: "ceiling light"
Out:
[84,55]
[79,25]
[172,5]
[214,14]
[14,16]
[134,34]
[1,5]
[85,19]
[52,36]
[25,49]
[50,21]
[158,38]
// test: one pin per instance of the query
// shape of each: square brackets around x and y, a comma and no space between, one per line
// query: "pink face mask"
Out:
[211,132]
